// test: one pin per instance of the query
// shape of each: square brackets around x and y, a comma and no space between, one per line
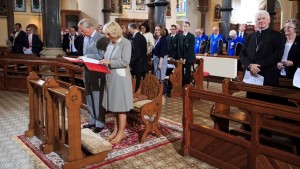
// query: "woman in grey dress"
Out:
[118,96]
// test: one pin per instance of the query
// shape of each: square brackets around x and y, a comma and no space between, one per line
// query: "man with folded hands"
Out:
[94,46]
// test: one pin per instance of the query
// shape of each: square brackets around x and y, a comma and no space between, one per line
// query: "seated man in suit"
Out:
[32,42]
[234,44]
[215,43]
[200,41]
[69,42]
[17,38]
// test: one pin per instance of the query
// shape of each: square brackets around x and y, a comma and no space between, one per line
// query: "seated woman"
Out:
[118,97]
[290,59]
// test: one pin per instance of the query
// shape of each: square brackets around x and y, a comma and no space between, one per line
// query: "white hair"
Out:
[232,33]
[262,12]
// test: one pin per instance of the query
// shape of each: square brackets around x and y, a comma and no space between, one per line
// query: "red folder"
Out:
[97,67]
[91,66]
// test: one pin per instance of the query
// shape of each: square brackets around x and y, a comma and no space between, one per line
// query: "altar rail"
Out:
[55,117]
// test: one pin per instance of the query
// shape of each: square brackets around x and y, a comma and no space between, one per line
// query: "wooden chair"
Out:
[147,112]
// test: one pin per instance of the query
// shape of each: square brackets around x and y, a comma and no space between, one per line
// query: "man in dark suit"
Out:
[79,43]
[186,43]
[17,39]
[242,34]
[172,41]
[69,40]
[262,51]
[138,61]
[32,42]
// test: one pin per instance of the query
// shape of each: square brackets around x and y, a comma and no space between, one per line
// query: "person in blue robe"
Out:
[200,41]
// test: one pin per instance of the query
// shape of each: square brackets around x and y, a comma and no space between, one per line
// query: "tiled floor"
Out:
[14,121]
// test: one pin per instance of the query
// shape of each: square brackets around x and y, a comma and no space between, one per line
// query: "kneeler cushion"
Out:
[139,104]
[93,142]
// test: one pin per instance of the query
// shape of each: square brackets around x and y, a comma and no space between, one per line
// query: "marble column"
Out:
[203,8]
[150,6]
[225,17]
[106,10]
[160,12]
[10,17]
[52,28]
[271,10]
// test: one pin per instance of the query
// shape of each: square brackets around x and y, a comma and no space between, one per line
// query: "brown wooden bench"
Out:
[61,124]
[176,78]
[198,75]
[222,114]
[147,112]
[225,150]
[15,79]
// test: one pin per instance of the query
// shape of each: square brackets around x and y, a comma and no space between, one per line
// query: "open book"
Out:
[91,64]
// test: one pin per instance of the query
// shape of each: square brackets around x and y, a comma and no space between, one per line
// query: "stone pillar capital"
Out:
[203,9]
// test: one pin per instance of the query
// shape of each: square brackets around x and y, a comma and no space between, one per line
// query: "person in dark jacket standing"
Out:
[186,43]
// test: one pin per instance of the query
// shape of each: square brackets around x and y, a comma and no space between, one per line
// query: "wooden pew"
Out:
[198,75]
[62,131]
[224,150]
[176,78]
[16,79]
[224,115]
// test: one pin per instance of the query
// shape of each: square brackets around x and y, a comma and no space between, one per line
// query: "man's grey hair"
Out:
[232,33]
[85,23]
[132,25]
[262,12]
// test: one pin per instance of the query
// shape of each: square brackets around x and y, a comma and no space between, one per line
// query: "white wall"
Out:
[69,4]
[92,9]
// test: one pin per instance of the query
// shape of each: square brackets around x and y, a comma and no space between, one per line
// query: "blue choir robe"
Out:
[232,45]
[214,42]
[198,40]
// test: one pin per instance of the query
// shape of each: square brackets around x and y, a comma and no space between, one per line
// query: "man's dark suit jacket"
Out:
[245,36]
[139,60]
[66,41]
[37,44]
[186,47]
[173,46]
[269,52]
[79,44]
[294,56]
[19,42]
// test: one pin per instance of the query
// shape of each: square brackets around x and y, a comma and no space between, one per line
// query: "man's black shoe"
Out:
[88,126]
[97,129]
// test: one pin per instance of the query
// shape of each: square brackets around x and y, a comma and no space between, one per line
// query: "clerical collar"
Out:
[262,30]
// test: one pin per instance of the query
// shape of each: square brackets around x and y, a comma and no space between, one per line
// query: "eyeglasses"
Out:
[172,29]
[288,27]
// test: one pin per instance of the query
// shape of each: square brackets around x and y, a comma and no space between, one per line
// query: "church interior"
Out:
[207,124]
